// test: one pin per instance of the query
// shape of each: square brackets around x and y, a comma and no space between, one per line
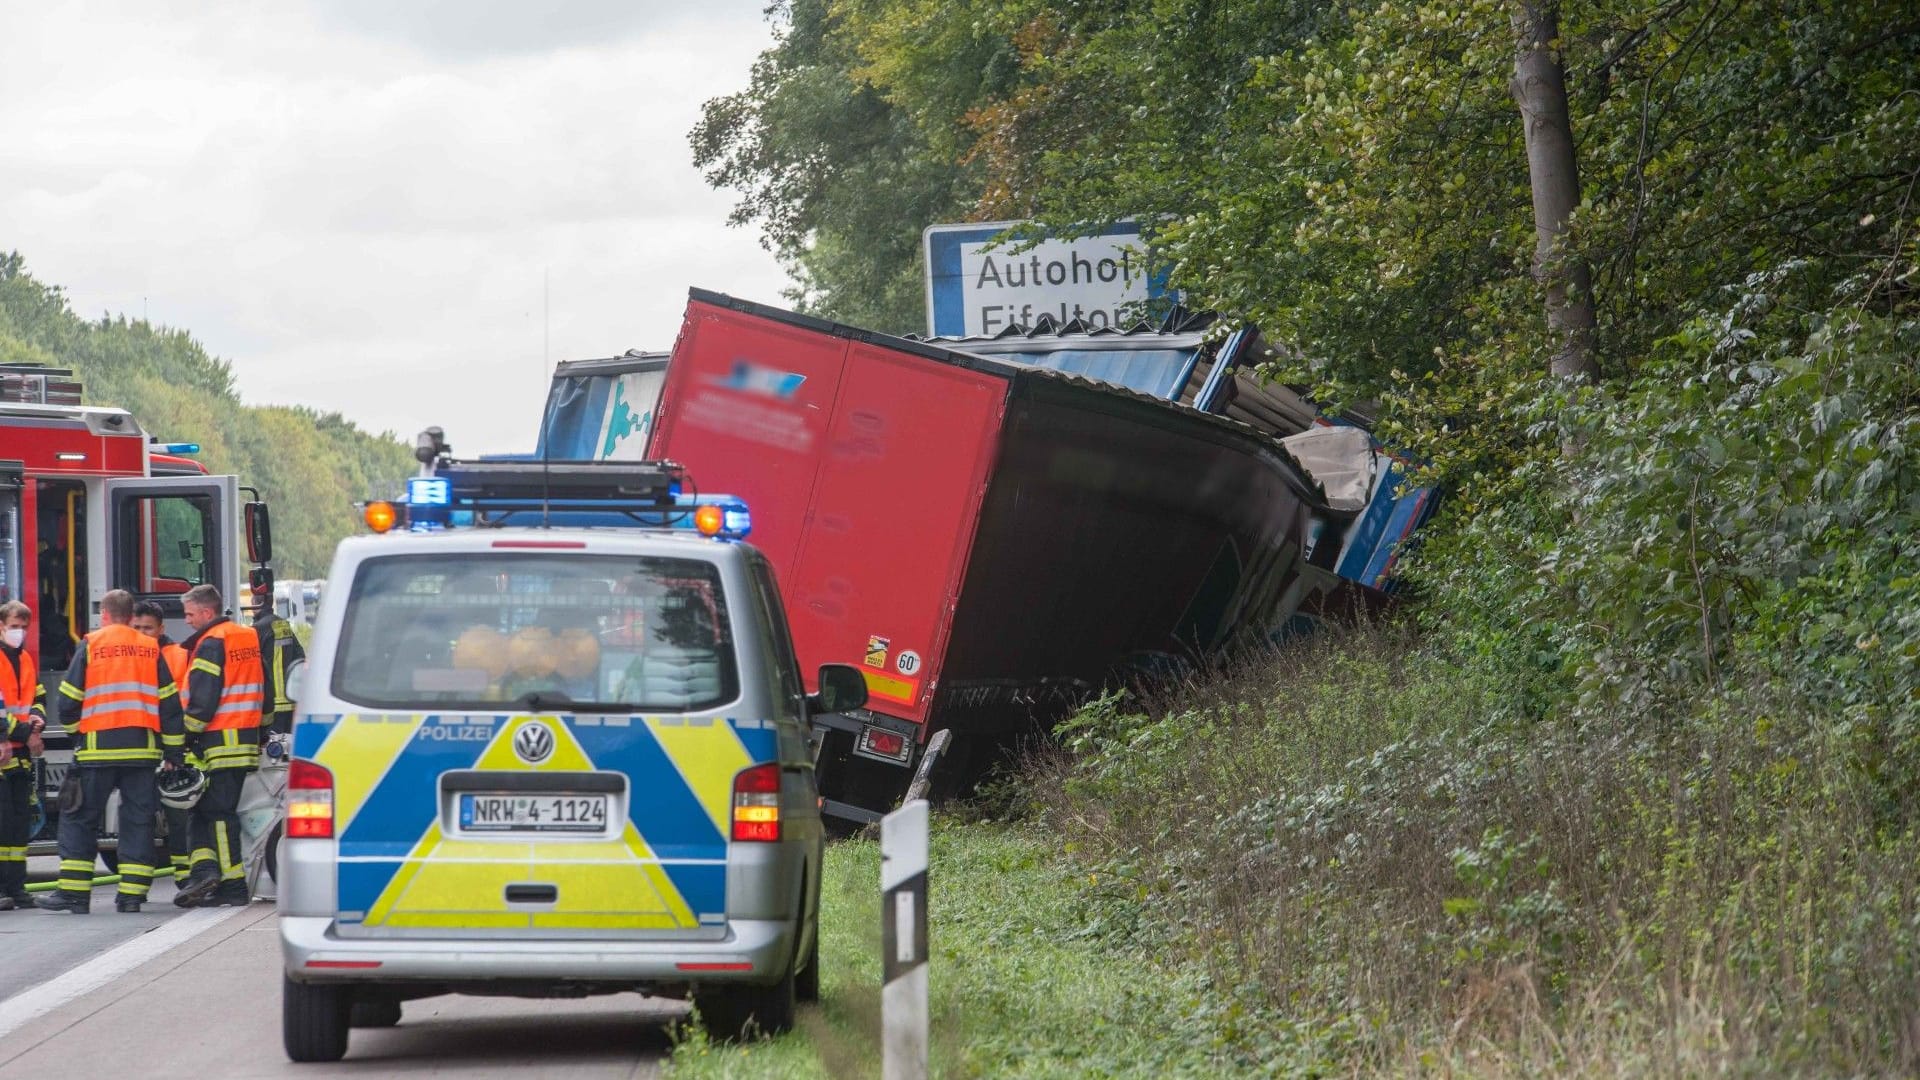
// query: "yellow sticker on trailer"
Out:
[901,691]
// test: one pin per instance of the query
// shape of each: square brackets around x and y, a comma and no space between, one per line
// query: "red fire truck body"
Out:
[90,502]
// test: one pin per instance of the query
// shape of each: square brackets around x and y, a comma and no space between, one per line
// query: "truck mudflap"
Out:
[414,860]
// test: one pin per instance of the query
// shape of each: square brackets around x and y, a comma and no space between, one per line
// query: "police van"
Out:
[540,758]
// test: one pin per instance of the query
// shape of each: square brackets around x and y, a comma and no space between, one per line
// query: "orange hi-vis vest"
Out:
[120,690]
[19,688]
[243,686]
[232,739]
[120,703]
[177,661]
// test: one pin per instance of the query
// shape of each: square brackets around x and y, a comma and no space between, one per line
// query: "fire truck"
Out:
[89,501]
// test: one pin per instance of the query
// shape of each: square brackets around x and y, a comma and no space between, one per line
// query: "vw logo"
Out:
[533,742]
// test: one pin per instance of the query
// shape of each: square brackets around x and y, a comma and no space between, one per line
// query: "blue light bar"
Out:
[179,448]
[569,494]
[736,519]
[429,491]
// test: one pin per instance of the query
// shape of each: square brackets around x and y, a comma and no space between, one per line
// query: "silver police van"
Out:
[551,761]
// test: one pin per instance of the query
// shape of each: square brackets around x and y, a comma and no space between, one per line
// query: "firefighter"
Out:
[148,619]
[226,705]
[25,701]
[120,698]
[280,649]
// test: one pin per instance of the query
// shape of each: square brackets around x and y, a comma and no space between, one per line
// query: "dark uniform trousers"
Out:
[16,827]
[80,830]
[179,841]
[216,824]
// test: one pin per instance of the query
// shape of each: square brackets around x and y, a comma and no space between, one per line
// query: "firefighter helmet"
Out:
[182,786]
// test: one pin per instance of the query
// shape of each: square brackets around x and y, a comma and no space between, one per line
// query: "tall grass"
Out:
[1386,858]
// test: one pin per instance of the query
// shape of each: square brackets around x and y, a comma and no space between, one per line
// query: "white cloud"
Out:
[361,205]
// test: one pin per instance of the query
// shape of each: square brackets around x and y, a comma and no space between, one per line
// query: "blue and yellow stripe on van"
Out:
[665,871]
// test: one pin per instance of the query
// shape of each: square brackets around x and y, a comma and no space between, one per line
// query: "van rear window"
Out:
[486,631]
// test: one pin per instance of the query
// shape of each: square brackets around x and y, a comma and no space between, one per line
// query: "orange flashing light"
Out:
[379,516]
[709,520]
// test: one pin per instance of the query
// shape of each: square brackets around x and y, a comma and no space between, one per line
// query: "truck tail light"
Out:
[756,803]
[309,800]
[883,744]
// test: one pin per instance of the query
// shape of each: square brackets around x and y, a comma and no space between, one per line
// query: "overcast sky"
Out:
[360,203]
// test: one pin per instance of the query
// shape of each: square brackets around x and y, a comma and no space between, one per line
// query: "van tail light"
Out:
[756,803]
[309,800]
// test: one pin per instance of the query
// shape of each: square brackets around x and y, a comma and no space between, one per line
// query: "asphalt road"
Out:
[197,993]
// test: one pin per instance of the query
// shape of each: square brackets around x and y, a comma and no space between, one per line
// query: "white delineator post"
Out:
[903,934]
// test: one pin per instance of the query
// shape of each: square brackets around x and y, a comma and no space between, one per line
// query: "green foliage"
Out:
[310,467]
[842,180]
[1635,790]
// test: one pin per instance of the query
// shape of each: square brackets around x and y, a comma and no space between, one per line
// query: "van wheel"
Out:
[313,1021]
[374,1011]
[806,985]
[741,1013]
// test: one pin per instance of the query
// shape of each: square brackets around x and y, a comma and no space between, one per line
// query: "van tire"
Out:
[374,1011]
[313,1021]
[742,1013]
[806,985]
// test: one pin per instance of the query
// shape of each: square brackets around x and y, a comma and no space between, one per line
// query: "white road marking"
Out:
[77,982]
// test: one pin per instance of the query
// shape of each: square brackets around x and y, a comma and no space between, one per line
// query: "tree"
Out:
[840,179]
[310,467]
[1540,89]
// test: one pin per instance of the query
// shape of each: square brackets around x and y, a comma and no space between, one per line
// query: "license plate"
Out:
[533,813]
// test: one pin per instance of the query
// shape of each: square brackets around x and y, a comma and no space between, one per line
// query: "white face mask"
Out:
[13,636]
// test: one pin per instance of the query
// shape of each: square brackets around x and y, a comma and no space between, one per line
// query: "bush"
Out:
[1371,834]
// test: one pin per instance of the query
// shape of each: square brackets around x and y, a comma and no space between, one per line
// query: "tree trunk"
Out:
[1540,89]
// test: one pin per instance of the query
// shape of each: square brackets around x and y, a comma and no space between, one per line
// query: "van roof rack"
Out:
[530,485]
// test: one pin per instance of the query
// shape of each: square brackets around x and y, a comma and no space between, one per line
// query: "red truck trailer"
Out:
[988,541]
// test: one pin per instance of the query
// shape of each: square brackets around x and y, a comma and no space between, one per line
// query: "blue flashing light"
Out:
[429,491]
[738,522]
[179,448]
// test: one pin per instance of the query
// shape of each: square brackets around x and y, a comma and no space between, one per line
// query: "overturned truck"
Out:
[989,541]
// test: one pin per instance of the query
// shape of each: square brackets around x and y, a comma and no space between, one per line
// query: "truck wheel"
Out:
[313,1021]
[374,1011]
[740,1013]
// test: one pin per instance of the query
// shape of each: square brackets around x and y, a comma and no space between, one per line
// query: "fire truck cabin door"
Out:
[164,536]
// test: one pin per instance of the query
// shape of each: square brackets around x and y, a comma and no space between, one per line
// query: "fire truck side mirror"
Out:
[259,534]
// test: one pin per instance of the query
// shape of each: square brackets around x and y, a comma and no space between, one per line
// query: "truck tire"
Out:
[313,1021]
[741,1013]
[374,1011]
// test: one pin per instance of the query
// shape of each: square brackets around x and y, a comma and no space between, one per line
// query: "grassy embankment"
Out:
[1360,858]
[1021,983]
